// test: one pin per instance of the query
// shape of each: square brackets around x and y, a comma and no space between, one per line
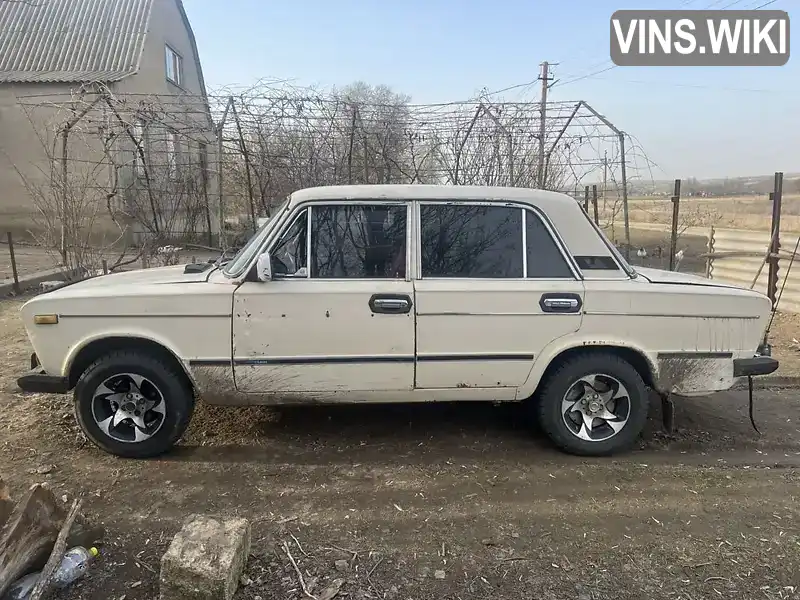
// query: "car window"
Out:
[289,256]
[471,241]
[358,241]
[545,261]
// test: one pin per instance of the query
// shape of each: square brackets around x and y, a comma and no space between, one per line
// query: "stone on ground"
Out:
[205,559]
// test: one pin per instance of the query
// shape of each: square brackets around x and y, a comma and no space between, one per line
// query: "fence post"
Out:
[673,241]
[13,263]
[710,257]
[586,200]
[594,204]
[105,267]
[775,243]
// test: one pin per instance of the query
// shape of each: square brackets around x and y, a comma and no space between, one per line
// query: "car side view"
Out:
[397,293]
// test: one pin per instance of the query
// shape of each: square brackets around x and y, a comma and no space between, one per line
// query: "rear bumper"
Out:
[37,380]
[755,366]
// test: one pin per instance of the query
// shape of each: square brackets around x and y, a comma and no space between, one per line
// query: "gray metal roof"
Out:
[71,41]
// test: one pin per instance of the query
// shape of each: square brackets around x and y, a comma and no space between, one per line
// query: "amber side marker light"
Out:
[45,319]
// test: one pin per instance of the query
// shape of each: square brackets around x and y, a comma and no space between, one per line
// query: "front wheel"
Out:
[133,404]
[593,405]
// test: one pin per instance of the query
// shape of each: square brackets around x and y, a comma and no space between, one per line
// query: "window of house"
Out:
[358,241]
[172,153]
[174,64]
[486,242]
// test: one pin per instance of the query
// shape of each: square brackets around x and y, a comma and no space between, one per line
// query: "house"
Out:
[104,119]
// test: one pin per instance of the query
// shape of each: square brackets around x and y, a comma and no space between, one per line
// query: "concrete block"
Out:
[205,559]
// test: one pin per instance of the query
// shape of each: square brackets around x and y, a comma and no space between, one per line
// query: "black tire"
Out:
[558,383]
[171,382]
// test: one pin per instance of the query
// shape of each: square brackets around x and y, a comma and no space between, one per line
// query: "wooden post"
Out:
[13,263]
[105,267]
[586,199]
[673,241]
[775,242]
[594,204]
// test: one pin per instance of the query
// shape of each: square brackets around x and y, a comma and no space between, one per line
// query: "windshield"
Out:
[238,263]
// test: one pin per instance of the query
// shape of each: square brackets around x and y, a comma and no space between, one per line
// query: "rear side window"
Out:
[471,241]
[485,242]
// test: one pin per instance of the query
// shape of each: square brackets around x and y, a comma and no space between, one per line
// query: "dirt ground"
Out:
[449,501]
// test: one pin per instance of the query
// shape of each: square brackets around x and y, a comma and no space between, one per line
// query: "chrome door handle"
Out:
[390,303]
[561,303]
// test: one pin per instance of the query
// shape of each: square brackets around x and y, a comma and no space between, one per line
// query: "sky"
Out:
[690,121]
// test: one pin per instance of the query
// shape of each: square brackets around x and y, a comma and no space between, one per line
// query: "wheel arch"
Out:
[634,356]
[95,348]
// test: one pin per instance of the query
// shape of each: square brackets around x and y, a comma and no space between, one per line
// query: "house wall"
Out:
[25,169]
[185,107]
[30,117]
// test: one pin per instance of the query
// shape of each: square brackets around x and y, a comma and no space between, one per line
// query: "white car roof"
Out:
[535,197]
[570,221]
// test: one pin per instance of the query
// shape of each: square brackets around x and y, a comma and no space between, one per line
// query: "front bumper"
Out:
[755,366]
[37,380]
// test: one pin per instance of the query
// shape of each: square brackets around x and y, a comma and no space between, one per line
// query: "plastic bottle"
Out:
[21,588]
[73,565]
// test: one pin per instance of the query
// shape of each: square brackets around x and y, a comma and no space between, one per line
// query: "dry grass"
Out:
[753,212]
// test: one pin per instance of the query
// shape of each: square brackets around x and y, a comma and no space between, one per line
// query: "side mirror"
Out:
[264,267]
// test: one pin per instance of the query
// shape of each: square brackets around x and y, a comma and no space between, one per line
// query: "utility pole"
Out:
[545,78]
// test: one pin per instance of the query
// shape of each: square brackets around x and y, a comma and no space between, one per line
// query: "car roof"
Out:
[431,192]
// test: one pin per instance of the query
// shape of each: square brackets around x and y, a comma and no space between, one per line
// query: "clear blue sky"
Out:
[703,122]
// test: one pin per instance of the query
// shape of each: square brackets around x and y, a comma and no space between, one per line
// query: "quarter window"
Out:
[545,261]
[358,241]
[471,241]
[290,255]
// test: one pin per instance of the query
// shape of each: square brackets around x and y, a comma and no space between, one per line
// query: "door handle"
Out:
[392,304]
[560,303]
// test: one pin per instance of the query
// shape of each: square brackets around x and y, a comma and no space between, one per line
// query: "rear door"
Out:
[494,286]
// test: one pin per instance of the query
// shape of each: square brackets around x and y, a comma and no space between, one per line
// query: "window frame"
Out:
[173,139]
[528,211]
[173,60]
[310,205]
[139,133]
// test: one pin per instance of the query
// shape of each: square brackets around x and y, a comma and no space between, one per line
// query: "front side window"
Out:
[471,241]
[350,241]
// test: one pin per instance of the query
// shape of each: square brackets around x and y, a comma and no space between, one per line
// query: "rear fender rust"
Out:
[687,375]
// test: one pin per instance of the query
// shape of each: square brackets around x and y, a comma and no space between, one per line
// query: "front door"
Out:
[338,315]
[494,289]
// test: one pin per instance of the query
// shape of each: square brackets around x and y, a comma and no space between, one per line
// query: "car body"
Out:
[397,293]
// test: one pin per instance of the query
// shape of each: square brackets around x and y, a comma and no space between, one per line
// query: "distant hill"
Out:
[727,186]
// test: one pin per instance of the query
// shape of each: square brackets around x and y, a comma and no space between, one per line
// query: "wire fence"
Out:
[113,169]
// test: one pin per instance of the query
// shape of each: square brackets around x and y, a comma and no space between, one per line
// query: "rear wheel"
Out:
[133,404]
[593,405]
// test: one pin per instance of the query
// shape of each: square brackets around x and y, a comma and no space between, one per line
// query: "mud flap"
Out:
[668,413]
[750,401]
